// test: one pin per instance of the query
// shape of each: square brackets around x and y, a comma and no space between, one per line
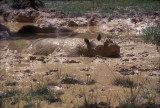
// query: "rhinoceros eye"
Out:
[86,41]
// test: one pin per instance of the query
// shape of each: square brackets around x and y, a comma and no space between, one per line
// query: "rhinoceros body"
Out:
[4,33]
[74,47]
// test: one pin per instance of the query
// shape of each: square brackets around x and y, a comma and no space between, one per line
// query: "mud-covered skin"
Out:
[5,33]
[74,47]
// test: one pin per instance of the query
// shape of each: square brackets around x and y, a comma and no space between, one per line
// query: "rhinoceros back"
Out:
[42,47]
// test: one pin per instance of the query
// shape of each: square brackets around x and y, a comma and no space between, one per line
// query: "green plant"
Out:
[42,92]
[21,4]
[149,93]
[1,102]
[158,86]
[124,82]
[151,34]
[131,100]
[12,92]
[18,4]
[32,104]
[90,101]
[114,7]
[11,83]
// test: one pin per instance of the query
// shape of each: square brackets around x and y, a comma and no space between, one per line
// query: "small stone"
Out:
[32,58]
[71,61]
[53,70]
[27,71]
[41,59]
[34,79]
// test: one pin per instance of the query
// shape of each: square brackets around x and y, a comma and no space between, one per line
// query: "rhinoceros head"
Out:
[101,47]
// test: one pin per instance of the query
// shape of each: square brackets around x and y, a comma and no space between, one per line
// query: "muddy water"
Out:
[140,56]
[20,41]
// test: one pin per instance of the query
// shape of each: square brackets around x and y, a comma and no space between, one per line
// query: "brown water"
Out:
[103,70]
[20,41]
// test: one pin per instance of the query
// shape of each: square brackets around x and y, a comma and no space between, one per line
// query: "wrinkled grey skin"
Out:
[74,47]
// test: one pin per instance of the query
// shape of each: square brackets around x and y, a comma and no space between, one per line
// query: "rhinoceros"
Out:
[5,33]
[74,47]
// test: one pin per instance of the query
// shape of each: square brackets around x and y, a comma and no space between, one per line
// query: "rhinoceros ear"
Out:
[86,41]
[99,37]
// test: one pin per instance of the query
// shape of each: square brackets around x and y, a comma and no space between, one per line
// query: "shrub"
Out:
[151,34]
[124,82]
[21,4]
[13,92]
[11,83]
[43,93]
[17,4]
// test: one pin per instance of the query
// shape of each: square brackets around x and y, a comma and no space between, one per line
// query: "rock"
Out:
[32,58]
[27,71]
[71,80]
[56,88]
[110,18]
[29,15]
[54,70]
[92,22]
[125,71]
[157,13]
[41,59]
[136,20]
[74,47]
[64,30]
[9,15]
[72,23]
[71,61]
[80,21]
[85,69]
[116,29]
[4,33]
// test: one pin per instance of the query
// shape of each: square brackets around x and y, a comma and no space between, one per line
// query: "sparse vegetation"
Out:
[117,8]
[124,82]
[151,34]
[149,94]
[42,92]
[13,92]
[11,83]
[21,4]
[90,101]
